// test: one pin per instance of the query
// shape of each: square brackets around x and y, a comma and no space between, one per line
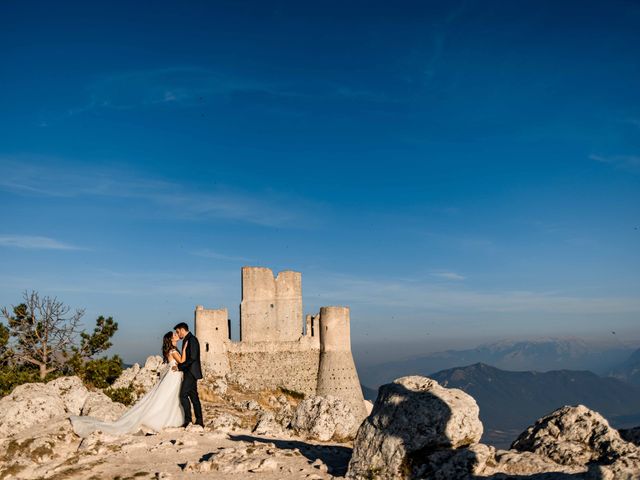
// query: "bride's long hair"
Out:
[167,346]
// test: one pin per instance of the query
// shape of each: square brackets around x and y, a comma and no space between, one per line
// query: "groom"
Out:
[191,374]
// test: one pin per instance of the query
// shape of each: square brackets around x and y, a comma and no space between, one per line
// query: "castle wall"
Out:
[275,350]
[337,373]
[212,331]
[271,308]
[273,365]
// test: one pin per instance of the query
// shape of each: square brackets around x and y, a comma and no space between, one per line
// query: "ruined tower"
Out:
[337,373]
[212,328]
[271,308]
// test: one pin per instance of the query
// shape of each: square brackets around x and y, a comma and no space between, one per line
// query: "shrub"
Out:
[101,372]
[124,395]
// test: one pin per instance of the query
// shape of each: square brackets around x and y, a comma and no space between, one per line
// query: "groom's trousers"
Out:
[189,392]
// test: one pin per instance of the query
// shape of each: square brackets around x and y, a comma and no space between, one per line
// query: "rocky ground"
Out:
[262,434]
[174,453]
[417,429]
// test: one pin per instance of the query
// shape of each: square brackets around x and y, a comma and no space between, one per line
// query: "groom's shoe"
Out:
[200,422]
[186,424]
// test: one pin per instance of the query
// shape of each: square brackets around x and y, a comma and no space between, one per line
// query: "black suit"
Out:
[192,372]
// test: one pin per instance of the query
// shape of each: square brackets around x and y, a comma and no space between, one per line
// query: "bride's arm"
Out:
[183,357]
[176,356]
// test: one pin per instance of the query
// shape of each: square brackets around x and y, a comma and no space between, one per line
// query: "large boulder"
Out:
[72,392]
[36,403]
[325,418]
[99,406]
[413,417]
[574,436]
[40,404]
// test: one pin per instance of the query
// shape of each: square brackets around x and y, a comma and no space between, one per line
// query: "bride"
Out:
[159,408]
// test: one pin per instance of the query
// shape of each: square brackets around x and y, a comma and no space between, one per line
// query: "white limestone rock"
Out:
[268,425]
[575,436]
[224,422]
[29,405]
[35,452]
[141,379]
[283,410]
[413,417]
[72,392]
[325,418]
[126,377]
[100,406]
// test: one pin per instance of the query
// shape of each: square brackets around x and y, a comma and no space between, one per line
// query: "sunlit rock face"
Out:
[412,416]
[325,418]
[36,403]
[577,436]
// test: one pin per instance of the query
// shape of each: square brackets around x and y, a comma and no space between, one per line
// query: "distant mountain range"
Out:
[539,355]
[510,401]
[629,371]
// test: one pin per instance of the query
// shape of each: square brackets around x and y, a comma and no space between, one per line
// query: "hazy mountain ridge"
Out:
[539,355]
[629,371]
[510,401]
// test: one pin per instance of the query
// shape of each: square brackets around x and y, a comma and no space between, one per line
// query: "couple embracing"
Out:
[168,403]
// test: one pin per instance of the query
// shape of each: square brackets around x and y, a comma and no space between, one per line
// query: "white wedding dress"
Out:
[159,408]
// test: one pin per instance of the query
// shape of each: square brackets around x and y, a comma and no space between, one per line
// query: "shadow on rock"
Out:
[421,430]
[335,457]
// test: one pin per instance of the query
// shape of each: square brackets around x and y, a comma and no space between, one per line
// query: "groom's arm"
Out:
[193,354]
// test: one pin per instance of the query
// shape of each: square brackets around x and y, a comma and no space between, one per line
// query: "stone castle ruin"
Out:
[276,348]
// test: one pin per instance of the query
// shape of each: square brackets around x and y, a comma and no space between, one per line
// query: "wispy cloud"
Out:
[624,162]
[197,86]
[449,275]
[35,243]
[266,208]
[206,253]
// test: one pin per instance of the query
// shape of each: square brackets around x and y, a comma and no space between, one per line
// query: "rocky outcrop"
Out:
[72,392]
[37,403]
[224,422]
[418,429]
[100,406]
[324,418]
[142,379]
[577,436]
[413,417]
[574,436]
[268,425]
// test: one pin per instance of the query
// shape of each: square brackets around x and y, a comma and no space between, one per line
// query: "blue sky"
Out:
[456,172]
